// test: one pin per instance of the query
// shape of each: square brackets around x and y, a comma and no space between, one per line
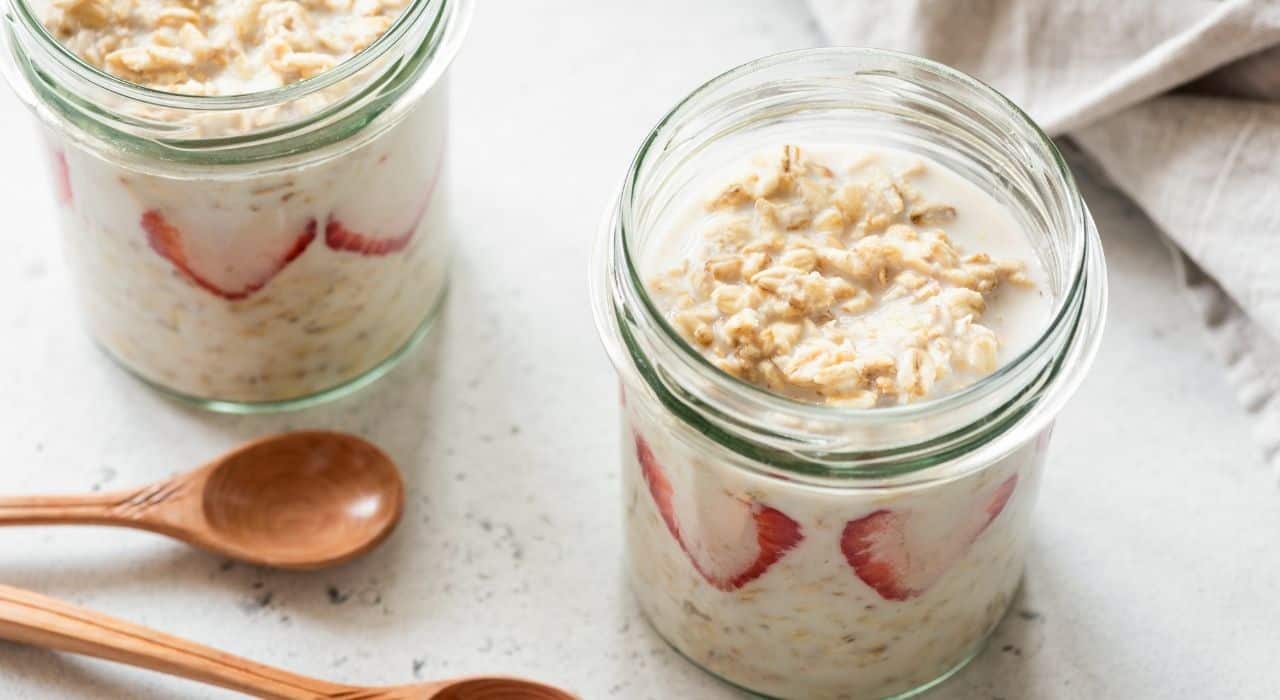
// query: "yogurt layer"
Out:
[262,288]
[807,593]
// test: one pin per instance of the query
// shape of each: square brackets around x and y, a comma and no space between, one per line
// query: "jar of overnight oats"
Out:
[846,292]
[249,193]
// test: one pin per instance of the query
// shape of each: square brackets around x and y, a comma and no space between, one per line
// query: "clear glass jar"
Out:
[792,501]
[259,251]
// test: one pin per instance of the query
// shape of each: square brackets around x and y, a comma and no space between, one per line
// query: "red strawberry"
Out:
[61,178]
[888,551]
[999,499]
[338,237]
[233,282]
[659,486]
[735,544]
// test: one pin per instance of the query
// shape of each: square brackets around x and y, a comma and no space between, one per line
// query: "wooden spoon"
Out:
[300,500]
[34,619]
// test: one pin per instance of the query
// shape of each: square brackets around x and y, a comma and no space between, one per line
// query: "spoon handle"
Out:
[126,508]
[33,619]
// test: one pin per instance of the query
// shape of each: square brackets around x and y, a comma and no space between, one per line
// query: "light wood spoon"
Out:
[33,619]
[301,500]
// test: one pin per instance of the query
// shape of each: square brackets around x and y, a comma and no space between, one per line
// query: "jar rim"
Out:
[33,50]
[26,15]
[1085,258]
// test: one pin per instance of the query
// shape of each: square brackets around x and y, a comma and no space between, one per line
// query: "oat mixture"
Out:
[269,288]
[836,286]
[807,619]
[218,47]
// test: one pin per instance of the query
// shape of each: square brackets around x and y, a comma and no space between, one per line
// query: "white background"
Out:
[1155,571]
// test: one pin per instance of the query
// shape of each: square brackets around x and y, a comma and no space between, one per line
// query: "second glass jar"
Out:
[258,251]
[799,550]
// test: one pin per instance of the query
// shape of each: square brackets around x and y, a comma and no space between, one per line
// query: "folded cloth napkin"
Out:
[1178,102]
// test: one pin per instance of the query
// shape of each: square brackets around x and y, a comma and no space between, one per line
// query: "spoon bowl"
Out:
[300,500]
[495,688]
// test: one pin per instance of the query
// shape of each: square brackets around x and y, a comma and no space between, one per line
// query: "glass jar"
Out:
[799,550]
[259,251]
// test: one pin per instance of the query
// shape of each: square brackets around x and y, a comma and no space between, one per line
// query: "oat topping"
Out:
[837,287]
[218,47]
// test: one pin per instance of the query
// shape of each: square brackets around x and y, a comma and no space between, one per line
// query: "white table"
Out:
[1156,569]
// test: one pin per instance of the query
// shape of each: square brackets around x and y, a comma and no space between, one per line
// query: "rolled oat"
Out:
[839,285]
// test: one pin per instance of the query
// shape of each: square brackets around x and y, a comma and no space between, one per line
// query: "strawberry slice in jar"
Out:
[386,218]
[730,539]
[228,256]
[901,554]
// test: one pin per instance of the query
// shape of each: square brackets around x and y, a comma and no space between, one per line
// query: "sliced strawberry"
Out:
[875,546]
[735,541]
[659,486]
[225,275]
[776,534]
[999,499]
[338,237]
[62,178]
[900,556]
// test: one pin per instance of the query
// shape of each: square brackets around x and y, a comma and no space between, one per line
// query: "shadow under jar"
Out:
[748,513]
[259,251]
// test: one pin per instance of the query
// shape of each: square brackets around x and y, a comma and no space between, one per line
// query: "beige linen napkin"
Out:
[1178,101]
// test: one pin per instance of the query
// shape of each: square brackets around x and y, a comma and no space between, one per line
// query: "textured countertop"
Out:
[1156,555]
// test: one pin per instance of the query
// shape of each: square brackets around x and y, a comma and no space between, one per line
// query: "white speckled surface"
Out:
[1157,555]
